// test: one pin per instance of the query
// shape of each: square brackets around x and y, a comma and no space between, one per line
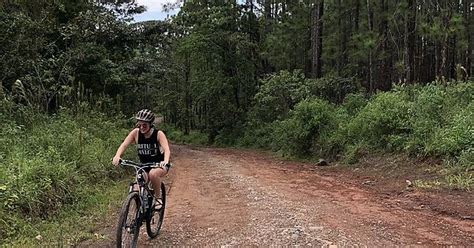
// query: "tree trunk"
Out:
[409,40]
[384,73]
[340,34]
[452,58]
[443,56]
[250,5]
[267,8]
[469,53]
[446,14]
[370,15]
[187,98]
[283,8]
[346,33]
[316,38]
[356,16]
[266,30]
[274,10]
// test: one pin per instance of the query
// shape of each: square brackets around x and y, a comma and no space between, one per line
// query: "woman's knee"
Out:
[157,173]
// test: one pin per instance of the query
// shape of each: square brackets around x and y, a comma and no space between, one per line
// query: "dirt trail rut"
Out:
[223,197]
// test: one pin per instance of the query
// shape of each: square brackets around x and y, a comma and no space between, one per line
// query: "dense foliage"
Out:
[202,68]
[51,161]
[431,120]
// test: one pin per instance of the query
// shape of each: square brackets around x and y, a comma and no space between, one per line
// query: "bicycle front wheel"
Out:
[156,214]
[129,222]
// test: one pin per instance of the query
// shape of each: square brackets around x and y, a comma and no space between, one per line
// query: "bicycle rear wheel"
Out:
[129,222]
[156,214]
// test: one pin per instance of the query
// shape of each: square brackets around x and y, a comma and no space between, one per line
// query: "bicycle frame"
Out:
[143,190]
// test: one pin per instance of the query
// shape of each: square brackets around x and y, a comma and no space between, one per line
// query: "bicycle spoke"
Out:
[129,222]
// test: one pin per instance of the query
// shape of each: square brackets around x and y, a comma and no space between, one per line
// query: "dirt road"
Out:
[225,197]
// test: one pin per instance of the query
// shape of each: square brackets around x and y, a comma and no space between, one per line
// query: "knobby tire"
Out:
[129,222]
[155,218]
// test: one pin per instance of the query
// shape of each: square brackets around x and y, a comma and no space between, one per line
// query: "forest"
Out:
[306,79]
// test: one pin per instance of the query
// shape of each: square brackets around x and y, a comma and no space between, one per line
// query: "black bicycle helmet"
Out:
[145,115]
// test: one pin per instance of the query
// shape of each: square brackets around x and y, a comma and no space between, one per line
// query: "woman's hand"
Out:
[116,160]
[163,164]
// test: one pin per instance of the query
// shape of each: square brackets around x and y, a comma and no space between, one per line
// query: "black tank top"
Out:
[149,149]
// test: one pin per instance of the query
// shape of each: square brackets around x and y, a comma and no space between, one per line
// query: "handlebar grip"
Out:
[166,166]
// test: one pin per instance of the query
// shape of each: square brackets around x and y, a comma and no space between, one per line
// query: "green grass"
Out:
[54,170]
[427,184]
[463,181]
[76,223]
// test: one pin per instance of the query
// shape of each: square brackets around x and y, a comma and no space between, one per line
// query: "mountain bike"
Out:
[140,206]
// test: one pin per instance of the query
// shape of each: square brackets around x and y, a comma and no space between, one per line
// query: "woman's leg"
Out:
[155,178]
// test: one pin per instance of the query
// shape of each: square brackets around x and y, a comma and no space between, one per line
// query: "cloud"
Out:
[154,10]
[156,15]
[153,5]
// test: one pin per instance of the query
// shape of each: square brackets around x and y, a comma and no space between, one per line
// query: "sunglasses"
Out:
[143,125]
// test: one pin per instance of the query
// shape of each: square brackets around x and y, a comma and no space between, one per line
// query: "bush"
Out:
[257,135]
[228,136]
[426,115]
[353,103]
[52,163]
[466,160]
[441,119]
[332,88]
[454,137]
[383,122]
[278,94]
[301,134]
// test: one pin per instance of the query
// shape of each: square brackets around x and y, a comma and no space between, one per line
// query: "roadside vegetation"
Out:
[56,172]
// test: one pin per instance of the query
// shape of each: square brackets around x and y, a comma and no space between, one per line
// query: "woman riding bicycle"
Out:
[152,146]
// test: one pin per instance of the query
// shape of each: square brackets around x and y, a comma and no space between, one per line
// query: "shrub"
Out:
[383,122]
[229,136]
[333,88]
[353,103]
[466,159]
[454,137]
[52,163]
[307,125]
[257,135]
[426,115]
[278,94]
[441,119]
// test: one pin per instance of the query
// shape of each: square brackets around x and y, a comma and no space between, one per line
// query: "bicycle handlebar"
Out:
[136,165]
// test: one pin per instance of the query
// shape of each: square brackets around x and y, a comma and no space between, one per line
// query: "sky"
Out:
[154,10]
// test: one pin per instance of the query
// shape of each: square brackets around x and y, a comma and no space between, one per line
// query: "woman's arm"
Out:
[131,137]
[164,144]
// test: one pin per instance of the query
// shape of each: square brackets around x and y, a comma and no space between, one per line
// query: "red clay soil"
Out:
[227,197]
